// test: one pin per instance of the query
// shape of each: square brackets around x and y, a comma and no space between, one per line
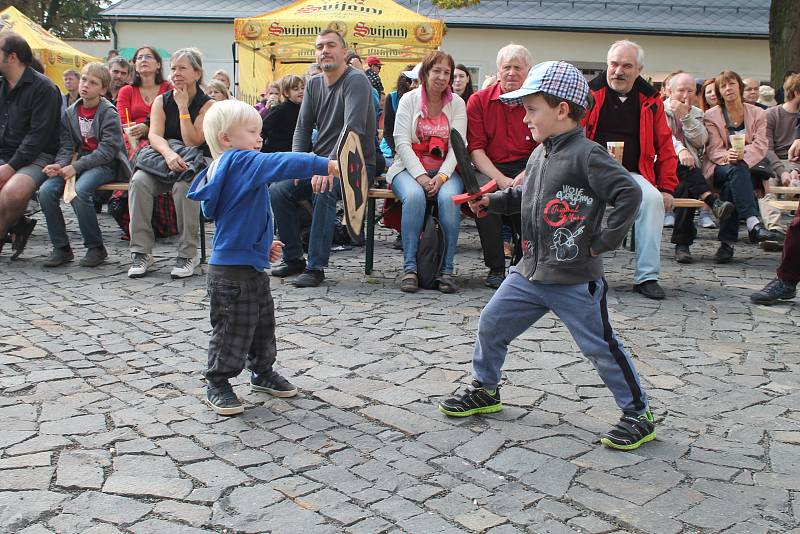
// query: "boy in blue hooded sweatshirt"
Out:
[234,192]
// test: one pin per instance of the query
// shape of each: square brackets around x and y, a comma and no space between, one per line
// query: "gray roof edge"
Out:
[631,30]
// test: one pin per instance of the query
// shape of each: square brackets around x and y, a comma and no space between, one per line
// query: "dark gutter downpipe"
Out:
[114,36]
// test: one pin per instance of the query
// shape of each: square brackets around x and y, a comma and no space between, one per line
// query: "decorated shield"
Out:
[355,183]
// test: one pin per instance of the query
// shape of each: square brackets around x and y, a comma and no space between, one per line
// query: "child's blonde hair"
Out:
[99,71]
[219,87]
[222,117]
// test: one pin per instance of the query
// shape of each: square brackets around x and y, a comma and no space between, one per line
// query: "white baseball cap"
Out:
[413,74]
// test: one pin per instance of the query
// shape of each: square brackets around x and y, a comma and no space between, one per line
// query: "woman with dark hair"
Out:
[404,85]
[425,164]
[729,167]
[462,83]
[134,101]
[177,115]
[707,96]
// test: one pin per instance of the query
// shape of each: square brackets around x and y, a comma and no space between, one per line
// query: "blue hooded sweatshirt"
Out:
[234,192]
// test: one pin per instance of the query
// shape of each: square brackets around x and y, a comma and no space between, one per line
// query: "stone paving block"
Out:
[82,468]
[183,449]
[215,473]
[396,508]
[193,514]
[625,512]
[159,526]
[21,508]
[30,478]
[516,461]
[482,447]
[110,508]
[404,420]
[716,514]
[82,424]
[554,477]
[480,520]
[148,485]
[39,459]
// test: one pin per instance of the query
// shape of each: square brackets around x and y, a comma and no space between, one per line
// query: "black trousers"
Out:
[490,227]
[691,184]
[243,327]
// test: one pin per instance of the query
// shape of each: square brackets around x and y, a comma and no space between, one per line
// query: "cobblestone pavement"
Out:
[104,431]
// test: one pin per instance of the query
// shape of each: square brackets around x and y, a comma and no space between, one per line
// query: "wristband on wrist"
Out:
[184,116]
[442,177]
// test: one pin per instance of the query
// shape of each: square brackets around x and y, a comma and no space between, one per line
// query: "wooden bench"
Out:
[679,203]
[375,194]
[123,186]
[370,222]
[776,190]
[784,205]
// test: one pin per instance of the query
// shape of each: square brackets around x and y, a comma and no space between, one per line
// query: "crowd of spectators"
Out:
[726,141]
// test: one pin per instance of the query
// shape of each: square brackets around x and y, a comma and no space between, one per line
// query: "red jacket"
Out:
[657,160]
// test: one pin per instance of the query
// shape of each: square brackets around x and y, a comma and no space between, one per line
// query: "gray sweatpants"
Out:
[519,303]
[142,192]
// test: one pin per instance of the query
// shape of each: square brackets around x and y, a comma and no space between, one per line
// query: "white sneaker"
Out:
[669,220]
[139,264]
[184,267]
[706,220]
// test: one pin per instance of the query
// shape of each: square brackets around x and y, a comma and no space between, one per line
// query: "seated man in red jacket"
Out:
[630,110]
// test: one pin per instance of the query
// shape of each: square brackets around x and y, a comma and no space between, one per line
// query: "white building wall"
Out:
[213,39]
[97,48]
[703,57]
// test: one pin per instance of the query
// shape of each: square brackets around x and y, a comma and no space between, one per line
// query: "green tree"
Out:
[65,18]
[784,39]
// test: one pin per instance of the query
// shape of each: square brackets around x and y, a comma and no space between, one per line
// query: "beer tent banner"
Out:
[56,55]
[282,41]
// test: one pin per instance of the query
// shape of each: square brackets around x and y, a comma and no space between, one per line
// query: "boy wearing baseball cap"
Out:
[569,181]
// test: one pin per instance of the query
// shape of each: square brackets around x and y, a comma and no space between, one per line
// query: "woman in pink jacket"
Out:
[727,169]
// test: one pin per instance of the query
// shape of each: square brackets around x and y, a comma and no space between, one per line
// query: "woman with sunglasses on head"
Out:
[134,101]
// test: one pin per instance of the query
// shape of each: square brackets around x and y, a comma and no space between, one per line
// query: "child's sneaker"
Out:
[475,399]
[221,398]
[272,383]
[631,432]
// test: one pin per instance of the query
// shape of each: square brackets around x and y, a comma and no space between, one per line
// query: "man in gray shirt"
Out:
[339,97]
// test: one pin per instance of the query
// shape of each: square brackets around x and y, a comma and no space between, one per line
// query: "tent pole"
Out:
[235,68]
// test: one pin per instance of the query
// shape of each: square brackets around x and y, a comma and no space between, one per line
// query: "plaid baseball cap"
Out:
[557,78]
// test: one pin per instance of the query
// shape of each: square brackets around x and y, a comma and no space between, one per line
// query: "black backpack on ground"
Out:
[430,251]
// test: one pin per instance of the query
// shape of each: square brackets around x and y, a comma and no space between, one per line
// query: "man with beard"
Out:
[30,114]
[340,97]
[120,77]
[629,109]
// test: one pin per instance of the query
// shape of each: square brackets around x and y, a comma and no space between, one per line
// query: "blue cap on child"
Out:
[557,78]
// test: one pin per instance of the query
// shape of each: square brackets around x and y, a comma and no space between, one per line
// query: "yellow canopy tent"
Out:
[281,42]
[56,55]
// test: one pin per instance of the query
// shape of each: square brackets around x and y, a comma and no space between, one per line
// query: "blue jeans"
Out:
[284,198]
[85,184]
[414,201]
[649,224]
[735,185]
[519,303]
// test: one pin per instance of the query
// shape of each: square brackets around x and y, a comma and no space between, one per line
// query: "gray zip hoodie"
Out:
[568,182]
[107,129]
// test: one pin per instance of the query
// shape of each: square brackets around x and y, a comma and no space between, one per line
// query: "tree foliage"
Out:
[784,39]
[75,19]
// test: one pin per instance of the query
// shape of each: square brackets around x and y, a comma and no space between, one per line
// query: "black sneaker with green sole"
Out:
[631,432]
[475,399]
